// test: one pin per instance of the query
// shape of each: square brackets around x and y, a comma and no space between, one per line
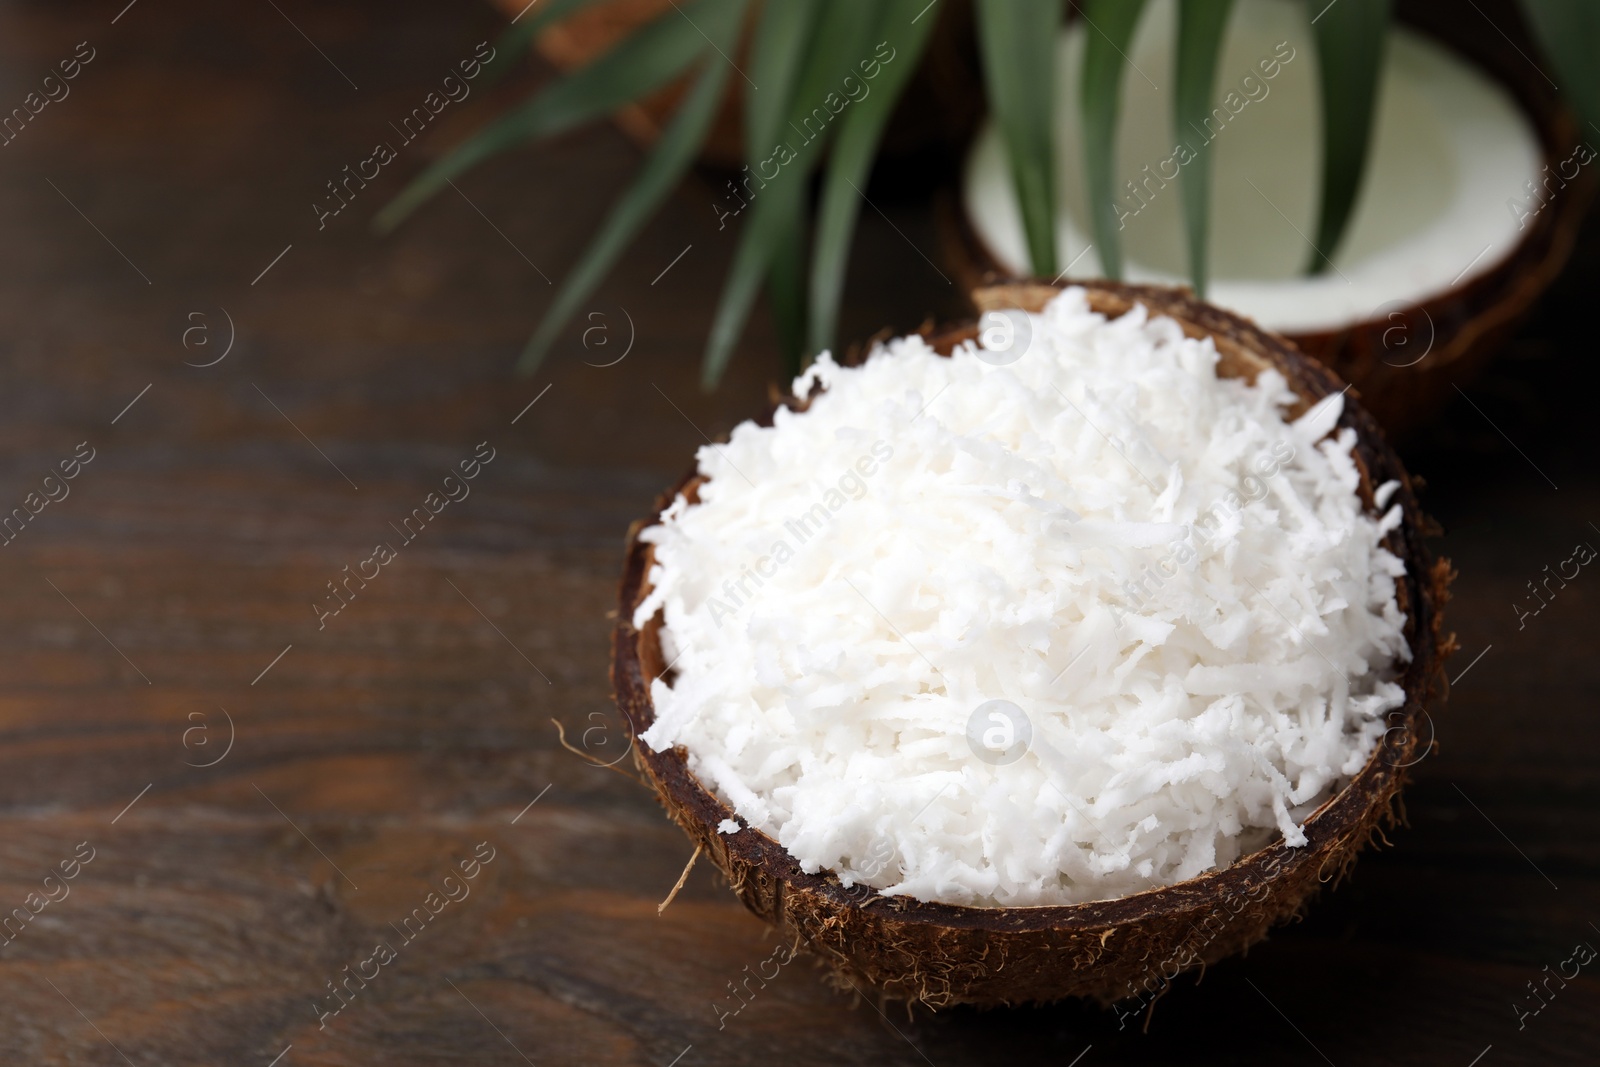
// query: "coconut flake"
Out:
[1010,630]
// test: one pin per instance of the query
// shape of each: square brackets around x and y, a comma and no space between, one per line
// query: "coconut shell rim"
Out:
[1512,279]
[1461,316]
[1345,815]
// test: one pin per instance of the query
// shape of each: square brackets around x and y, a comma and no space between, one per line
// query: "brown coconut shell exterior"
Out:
[1462,328]
[941,954]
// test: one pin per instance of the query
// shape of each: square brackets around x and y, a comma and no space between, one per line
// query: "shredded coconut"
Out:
[1062,617]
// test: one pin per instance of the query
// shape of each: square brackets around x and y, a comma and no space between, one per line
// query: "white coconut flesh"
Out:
[1445,197]
[1062,617]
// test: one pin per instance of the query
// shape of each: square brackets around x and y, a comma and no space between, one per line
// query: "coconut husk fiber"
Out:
[1109,950]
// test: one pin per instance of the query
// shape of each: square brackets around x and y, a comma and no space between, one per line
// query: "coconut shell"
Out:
[1109,950]
[1408,360]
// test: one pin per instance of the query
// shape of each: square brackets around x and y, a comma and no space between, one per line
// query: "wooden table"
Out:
[164,608]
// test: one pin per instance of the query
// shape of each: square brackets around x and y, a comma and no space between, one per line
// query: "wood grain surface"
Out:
[169,593]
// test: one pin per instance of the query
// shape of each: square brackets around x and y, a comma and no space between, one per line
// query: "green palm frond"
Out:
[1200,28]
[1106,39]
[649,59]
[843,34]
[851,162]
[805,117]
[513,42]
[777,49]
[1350,37]
[671,157]
[1018,43]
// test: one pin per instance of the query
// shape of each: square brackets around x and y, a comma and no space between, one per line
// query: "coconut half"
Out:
[1109,950]
[1457,226]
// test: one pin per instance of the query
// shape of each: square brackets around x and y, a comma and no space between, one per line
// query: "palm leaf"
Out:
[781,39]
[1018,42]
[851,161]
[1350,37]
[1110,30]
[841,39]
[1569,34]
[512,44]
[786,293]
[1200,27]
[758,241]
[668,161]
[653,56]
